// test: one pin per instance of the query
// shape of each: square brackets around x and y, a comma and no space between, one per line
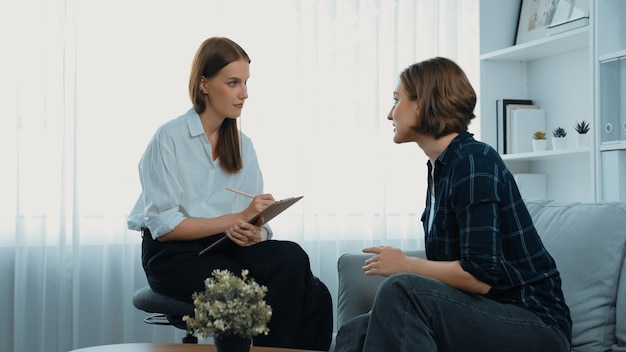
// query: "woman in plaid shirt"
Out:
[488,283]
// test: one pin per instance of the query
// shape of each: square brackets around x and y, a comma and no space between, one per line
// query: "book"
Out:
[501,120]
[569,15]
[267,214]
[512,131]
[523,122]
[567,26]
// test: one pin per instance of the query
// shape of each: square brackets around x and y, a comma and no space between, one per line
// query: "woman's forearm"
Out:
[193,229]
[449,272]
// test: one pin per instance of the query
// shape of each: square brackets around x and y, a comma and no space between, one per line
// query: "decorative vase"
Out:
[559,143]
[582,140]
[539,145]
[232,344]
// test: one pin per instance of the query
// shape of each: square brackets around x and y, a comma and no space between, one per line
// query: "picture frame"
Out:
[534,18]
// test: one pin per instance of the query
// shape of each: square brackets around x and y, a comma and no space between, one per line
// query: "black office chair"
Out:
[166,310]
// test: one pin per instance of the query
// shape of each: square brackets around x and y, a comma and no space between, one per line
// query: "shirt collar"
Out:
[447,154]
[193,123]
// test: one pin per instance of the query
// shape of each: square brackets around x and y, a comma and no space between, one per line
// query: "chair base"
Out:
[162,319]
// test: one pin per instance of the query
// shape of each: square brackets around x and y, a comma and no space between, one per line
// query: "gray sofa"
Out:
[588,242]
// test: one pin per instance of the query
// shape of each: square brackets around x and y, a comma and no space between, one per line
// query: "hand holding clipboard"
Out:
[267,214]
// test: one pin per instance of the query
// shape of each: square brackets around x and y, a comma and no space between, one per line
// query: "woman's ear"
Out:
[202,86]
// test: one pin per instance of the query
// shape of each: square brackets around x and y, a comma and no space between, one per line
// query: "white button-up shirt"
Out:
[180,179]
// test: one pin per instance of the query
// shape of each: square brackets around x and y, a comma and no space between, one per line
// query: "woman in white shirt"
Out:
[185,206]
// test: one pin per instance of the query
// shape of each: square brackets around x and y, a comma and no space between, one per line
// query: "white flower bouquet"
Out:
[230,306]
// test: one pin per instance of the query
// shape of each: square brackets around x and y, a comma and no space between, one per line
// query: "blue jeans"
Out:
[416,314]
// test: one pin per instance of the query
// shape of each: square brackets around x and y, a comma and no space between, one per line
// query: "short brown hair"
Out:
[211,57]
[446,99]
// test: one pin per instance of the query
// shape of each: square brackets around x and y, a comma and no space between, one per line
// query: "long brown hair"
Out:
[446,99]
[211,57]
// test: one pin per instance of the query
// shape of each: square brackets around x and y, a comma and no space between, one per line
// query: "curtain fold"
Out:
[86,83]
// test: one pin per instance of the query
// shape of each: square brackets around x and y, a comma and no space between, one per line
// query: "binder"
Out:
[622,93]
[613,175]
[609,101]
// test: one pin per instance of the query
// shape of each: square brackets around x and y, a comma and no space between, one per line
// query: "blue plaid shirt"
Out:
[481,220]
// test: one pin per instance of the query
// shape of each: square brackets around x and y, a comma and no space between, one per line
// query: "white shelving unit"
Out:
[561,74]
[610,66]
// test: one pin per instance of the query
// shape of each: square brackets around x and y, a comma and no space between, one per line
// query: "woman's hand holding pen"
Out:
[258,204]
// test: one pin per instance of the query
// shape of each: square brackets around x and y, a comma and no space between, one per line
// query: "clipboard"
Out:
[267,214]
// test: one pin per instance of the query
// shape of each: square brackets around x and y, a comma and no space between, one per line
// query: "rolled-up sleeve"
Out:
[475,202]
[162,192]
[489,233]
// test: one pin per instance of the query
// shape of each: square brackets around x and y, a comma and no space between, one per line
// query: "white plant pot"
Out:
[582,140]
[539,145]
[559,143]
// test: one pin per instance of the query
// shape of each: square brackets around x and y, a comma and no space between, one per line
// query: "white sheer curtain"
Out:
[86,83]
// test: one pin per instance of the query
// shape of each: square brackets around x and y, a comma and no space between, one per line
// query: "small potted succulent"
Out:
[559,141]
[582,138]
[539,141]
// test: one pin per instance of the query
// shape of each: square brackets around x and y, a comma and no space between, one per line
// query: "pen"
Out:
[240,192]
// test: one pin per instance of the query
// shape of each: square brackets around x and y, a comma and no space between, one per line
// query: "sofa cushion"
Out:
[588,243]
[356,290]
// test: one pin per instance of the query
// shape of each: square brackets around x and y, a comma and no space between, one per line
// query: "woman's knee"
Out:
[404,285]
[291,254]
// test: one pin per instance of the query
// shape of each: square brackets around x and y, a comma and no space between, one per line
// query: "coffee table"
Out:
[173,347]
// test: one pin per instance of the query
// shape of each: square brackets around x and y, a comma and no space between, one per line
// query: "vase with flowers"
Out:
[232,309]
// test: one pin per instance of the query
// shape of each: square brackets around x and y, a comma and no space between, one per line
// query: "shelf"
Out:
[568,74]
[613,146]
[542,48]
[612,56]
[546,155]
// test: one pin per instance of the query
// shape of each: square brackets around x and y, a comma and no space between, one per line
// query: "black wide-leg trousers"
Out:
[301,304]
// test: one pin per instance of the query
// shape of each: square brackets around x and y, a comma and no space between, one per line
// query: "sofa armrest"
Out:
[357,290]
